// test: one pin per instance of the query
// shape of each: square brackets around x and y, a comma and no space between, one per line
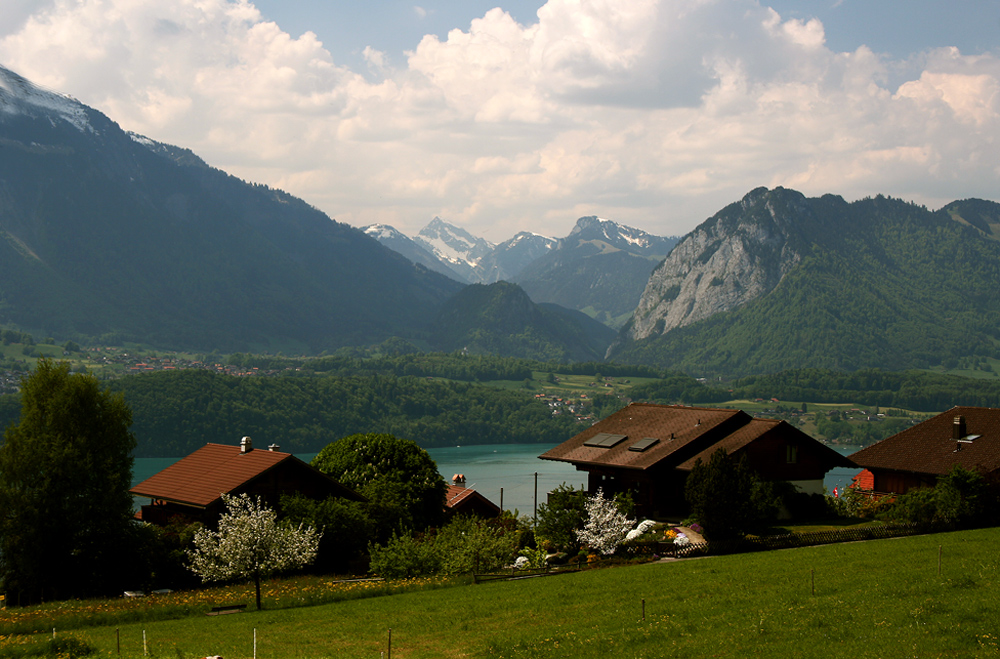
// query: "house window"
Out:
[791,454]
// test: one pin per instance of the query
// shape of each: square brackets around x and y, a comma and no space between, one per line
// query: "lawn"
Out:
[874,599]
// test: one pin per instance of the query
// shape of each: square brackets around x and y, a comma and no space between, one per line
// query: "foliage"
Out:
[404,556]
[473,545]
[65,473]
[880,283]
[759,603]
[396,475]
[728,498]
[177,412]
[606,526]
[346,527]
[501,319]
[960,498]
[911,390]
[560,517]
[465,545]
[250,543]
[162,553]
[60,647]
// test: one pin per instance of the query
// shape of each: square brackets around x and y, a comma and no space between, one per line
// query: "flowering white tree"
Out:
[606,526]
[250,544]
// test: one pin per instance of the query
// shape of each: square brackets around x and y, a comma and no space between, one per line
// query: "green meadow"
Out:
[926,596]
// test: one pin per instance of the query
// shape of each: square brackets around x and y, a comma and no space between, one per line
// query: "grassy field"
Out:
[870,599]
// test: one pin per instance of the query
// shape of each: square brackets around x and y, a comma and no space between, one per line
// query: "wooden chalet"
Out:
[649,450]
[192,487]
[462,500]
[968,437]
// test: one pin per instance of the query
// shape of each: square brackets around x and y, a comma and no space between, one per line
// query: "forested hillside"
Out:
[910,390]
[500,319]
[879,283]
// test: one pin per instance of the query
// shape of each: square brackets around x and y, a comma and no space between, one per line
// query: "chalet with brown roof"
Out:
[192,487]
[965,436]
[649,450]
[462,500]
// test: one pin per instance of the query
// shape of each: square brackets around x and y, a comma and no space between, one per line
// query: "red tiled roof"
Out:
[680,430]
[202,477]
[931,448]
[864,480]
[461,499]
[456,494]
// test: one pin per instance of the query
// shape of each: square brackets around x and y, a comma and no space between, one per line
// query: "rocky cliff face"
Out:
[740,254]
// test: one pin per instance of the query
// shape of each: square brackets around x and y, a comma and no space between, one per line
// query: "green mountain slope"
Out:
[876,283]
[110,237]
[500,319]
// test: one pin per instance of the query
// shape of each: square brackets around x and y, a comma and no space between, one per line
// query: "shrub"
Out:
[465,545]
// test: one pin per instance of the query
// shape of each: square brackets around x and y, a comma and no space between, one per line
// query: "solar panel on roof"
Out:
[605,440]
[643,444]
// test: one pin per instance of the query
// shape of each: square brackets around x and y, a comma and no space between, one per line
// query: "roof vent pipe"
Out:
[246,445]
[958,428]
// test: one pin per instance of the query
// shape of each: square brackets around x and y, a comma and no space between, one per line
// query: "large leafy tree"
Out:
[65,470]
[396,475]
[728,498]
[251,543]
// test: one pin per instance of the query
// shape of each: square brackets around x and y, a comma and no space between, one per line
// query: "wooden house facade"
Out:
[192,487]
[968,437]
[649,450]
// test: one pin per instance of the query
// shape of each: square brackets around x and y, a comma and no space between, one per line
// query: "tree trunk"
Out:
[256,583]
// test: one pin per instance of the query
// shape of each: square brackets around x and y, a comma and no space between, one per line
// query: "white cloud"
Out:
[655,113]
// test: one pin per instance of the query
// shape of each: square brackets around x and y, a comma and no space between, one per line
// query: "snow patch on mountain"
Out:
[453,244]
[19,96]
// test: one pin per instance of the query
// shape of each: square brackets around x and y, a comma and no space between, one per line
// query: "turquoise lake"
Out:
[508,467]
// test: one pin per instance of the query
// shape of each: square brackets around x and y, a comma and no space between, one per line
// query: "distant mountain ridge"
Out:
[600,268]
[779,281]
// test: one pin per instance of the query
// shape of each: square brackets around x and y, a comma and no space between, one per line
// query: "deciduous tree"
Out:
[250,543]
[606,526]
[65,470]
[395,474]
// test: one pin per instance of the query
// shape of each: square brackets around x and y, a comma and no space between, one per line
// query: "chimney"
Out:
[246,445]
[273,447]
[958,428]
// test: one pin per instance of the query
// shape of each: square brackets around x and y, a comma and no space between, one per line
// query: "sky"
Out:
[502,117]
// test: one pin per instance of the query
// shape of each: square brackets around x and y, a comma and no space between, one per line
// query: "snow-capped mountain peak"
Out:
[453,244]
[20,96]
[618,235]
[382,232]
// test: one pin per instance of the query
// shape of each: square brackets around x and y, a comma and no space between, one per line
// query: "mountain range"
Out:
[600,268]
[108,236]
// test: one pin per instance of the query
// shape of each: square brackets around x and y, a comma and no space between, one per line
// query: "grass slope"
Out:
[871,599]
